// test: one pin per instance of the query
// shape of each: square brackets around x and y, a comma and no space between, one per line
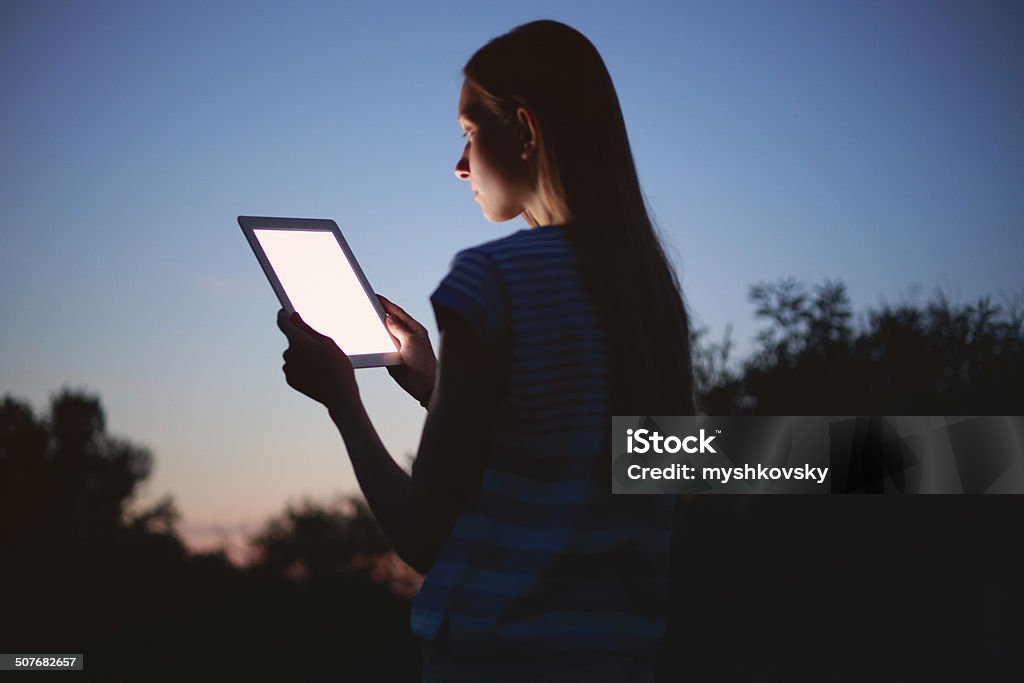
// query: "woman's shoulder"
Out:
[521,241]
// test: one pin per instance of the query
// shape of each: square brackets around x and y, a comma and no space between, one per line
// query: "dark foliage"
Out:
[853,588]
[312,542]
[765,587]
[82,573]
[940,358]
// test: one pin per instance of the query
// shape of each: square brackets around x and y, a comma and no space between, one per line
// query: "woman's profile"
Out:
[533,570]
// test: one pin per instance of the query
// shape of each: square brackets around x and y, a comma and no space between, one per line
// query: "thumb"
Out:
[304,326]
[398,328]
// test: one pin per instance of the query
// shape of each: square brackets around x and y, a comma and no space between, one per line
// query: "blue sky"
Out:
[875,142]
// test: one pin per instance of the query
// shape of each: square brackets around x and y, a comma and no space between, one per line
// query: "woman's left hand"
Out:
[315,366]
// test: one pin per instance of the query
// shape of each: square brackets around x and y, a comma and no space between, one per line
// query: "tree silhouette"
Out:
[82,565]
[938,359]
[865,583]
[64,479]
[83,572]
[315,542]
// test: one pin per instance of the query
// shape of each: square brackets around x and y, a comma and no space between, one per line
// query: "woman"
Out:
[533,569]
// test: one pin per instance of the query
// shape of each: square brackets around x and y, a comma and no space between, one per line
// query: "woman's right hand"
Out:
[419,365]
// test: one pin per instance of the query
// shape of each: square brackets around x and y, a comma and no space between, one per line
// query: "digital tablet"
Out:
[313,271]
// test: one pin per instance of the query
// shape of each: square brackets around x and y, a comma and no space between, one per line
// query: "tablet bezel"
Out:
[251,223]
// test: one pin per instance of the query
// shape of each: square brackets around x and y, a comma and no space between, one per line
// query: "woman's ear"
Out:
[528,132]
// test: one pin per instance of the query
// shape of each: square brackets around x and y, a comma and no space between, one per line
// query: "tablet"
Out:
[313,271]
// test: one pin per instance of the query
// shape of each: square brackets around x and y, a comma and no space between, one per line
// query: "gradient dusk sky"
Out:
[881,143]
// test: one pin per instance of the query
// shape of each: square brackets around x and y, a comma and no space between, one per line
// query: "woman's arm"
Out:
[416,512]
[456,442]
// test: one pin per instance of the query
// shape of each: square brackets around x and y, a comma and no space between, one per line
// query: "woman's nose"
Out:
[462,168]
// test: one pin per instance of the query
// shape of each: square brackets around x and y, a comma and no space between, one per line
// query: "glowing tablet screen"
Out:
[324,289]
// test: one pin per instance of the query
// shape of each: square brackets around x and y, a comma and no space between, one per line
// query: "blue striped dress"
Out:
[546,560]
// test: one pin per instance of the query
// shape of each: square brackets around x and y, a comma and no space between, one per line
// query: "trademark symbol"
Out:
[718,431]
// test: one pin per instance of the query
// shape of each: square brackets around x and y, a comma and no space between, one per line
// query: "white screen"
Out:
[324,289]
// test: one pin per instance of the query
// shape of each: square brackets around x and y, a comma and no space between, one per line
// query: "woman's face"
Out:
[492,160]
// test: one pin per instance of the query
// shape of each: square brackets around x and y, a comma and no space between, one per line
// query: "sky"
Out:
[878,143]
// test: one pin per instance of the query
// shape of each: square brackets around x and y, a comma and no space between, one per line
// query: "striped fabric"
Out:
[546,559]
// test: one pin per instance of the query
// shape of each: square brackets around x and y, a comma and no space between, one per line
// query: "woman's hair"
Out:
[585,174]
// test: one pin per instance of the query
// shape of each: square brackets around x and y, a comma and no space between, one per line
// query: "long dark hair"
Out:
[585,173]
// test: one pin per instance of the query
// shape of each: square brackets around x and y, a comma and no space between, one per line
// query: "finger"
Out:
[398,330]
[398,312]
[407,324]
[387,328]
[285,324]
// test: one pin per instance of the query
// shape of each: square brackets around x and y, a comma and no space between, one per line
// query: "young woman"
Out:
[533,569]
